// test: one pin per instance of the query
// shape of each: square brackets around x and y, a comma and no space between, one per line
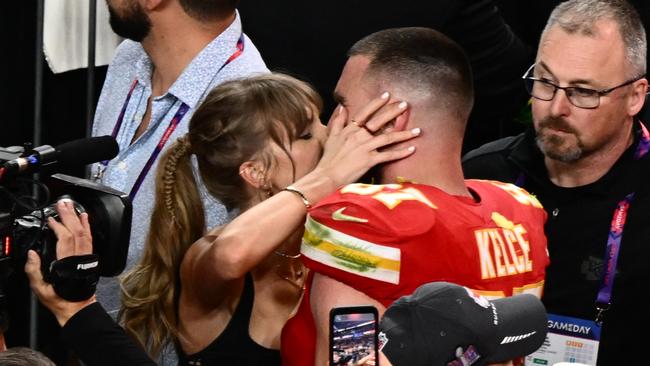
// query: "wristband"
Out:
[75,278]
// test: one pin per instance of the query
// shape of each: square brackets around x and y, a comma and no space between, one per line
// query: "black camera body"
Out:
[109,213]
[24,213]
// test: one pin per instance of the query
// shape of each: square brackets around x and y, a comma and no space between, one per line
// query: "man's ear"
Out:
[402,120]
[252,172]
[638,97]
[152,4]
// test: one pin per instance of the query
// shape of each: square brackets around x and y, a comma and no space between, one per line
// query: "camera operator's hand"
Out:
[74,239]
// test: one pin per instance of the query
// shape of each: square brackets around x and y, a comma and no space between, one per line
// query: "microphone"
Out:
[76,152]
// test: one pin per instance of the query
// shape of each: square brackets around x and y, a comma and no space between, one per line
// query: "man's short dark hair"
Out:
[207,10]
[426,60]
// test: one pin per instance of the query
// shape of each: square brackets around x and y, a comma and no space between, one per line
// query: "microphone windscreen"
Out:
[87,151]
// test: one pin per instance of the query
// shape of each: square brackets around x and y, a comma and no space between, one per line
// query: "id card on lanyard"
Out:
[568,340]
[577,340]
[178,116]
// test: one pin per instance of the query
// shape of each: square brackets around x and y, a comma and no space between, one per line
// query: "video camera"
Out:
[25,205]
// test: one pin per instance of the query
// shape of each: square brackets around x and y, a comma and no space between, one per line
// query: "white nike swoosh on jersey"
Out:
[338,215]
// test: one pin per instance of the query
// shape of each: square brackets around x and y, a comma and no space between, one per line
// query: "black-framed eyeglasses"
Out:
[543,89]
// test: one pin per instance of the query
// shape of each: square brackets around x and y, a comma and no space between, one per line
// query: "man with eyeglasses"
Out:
[586,159]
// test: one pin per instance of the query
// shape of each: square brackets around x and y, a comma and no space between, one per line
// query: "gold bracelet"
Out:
[295,191]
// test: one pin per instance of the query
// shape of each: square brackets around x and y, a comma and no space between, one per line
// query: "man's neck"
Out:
[442,169]
[589,168]
[174,44]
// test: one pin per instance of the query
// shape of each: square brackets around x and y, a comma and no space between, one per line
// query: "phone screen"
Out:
[353,336]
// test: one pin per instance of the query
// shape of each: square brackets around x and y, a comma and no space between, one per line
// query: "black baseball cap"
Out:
[446,324]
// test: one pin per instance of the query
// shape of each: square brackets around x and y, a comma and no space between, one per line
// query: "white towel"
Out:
[65,35]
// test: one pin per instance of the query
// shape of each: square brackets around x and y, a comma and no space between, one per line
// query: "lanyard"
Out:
[604,298]
[178,116]
[156,151]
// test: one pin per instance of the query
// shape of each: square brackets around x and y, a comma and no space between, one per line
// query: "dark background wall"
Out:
[64,95]
[305,38]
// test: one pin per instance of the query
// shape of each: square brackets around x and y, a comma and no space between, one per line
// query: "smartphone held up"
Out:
[353,336]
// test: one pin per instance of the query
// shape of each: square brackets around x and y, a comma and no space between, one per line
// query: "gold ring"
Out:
[355,123]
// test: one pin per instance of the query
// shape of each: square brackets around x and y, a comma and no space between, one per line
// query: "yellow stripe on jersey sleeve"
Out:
[335,249]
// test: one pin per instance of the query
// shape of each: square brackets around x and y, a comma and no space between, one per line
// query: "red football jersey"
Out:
[387,240]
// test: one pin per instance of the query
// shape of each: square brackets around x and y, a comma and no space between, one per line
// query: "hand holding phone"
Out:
[353,336]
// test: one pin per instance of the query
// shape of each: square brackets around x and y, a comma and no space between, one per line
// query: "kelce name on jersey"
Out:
[503,251]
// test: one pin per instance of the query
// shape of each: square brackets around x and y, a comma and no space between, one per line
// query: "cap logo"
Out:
[512,339]
[467,358]
[382,340]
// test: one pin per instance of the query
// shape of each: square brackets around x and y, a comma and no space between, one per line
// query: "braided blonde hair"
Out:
[236,123]
[177,222]
[168,179]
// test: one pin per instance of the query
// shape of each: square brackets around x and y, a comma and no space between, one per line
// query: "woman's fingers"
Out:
[378,156]
[363,140]
[391,138]
[366,139]
[361,117]
[391,155]
[385,115]
[338,120]
[361,151]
